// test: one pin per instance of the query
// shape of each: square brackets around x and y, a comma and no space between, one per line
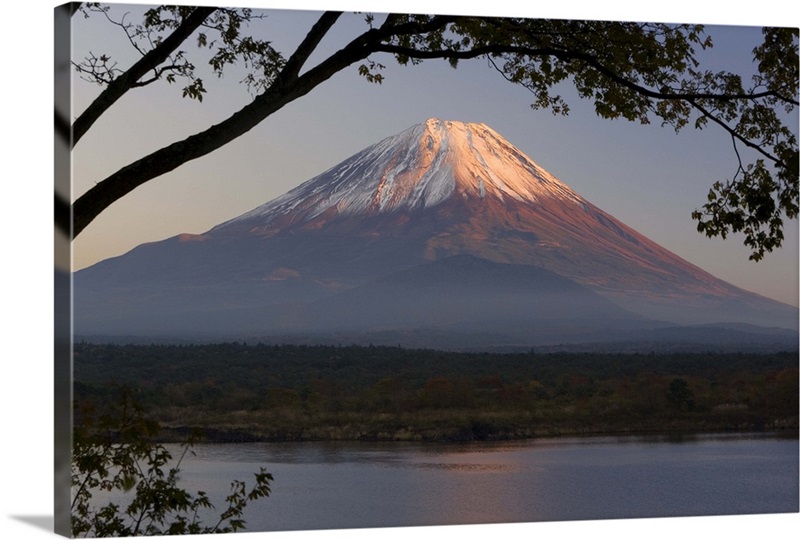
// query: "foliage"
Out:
[220,32]
[680,394]
[318,392]
[643,72]
[113,452]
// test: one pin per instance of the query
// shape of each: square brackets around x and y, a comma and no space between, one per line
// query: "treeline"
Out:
[264,392]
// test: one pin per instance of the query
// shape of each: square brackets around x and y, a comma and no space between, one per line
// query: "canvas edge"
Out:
[62,409]
[63,327]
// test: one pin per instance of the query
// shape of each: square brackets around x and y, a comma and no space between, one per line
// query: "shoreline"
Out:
[180,434]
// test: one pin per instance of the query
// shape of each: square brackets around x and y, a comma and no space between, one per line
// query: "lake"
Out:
[324,485]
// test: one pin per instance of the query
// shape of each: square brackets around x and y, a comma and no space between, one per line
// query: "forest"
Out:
[239,392]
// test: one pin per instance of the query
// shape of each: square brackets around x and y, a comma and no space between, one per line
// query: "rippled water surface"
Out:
[349,485]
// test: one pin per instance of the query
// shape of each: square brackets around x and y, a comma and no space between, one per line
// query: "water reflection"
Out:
[348,485]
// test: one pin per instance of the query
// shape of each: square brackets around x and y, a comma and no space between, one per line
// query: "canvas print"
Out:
[329,270]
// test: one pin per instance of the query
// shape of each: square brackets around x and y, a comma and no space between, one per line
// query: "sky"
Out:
[646,176]
[27,284]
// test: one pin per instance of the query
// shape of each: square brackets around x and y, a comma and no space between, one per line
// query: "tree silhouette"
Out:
[113,453]
[680,394]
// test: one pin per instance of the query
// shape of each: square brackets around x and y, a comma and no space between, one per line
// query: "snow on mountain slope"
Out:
[421,167]
[464,189]
[438,190]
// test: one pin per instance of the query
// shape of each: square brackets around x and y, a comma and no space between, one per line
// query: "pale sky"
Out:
[647,176]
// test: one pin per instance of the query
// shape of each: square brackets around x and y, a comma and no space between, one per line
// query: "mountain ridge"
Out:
[438,190]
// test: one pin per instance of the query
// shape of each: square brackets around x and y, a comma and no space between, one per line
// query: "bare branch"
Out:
[733,133]
[312,39]
[157,75]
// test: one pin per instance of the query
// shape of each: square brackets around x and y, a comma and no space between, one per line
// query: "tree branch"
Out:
[736,136]
[389,28]
[61,213]
[289,85]
[117,88]
[563,54]
[690,97]
[284,90]
[156,76]
[312,39]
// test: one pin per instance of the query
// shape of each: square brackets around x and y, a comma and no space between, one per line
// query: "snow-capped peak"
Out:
[420,167]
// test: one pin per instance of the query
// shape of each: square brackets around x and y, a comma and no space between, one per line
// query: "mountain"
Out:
[445,228]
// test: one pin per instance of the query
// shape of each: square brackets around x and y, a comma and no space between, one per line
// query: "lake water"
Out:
[353,485]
